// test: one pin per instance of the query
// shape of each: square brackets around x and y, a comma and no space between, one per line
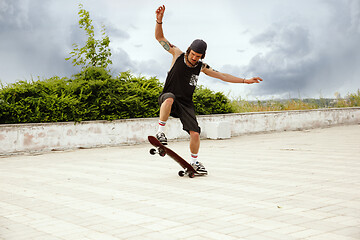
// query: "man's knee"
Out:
[194,134]
[167,98]
[169,101]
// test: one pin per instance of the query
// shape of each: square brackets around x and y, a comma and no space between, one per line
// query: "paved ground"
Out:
[288,185]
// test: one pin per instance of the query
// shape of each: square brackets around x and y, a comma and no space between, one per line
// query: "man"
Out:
[176,98]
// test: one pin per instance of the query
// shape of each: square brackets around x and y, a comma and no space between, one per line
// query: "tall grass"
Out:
[351,100]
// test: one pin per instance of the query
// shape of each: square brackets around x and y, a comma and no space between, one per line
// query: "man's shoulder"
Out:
[204,65]
[177,51]
[178,55]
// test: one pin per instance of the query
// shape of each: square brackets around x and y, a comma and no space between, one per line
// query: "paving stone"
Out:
[282,185]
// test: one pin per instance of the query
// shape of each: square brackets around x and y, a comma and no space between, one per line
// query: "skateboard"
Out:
[163,151]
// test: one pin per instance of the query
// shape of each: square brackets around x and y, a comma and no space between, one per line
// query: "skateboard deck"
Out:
[162,151]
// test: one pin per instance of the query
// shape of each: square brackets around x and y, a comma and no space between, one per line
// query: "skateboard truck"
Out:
[159,151]
[185,172]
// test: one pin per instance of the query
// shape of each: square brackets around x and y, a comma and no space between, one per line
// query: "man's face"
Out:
[194,57]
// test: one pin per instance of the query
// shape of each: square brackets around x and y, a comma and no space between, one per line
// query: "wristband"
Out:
[158,22]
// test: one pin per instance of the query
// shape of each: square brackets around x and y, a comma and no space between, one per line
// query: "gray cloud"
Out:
[12,16]
[150,68]
[36,38]
[310,63]
[32,41]
[288,66]
[115,32]
[121,61]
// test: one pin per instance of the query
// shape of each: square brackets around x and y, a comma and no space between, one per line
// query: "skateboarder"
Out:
[176,97]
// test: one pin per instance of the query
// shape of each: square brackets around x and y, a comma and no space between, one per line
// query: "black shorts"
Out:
[186,114]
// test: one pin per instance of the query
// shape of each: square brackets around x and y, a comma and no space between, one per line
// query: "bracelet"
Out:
[158,22]
[244,80]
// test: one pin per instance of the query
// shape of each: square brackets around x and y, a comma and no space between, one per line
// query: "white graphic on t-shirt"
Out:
[193,80]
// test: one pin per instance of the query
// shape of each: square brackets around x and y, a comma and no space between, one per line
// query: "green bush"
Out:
[207,102]
[37,101]
[93,94]
[354,99]
[107,98]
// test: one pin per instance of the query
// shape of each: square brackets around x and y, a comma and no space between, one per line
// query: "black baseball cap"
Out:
[198,46]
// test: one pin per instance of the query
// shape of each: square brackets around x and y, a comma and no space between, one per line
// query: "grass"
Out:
[351,100]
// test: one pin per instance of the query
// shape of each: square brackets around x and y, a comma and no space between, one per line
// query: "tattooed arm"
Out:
[159,34]
[227,77]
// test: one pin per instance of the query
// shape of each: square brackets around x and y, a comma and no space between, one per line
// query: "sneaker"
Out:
[199,167]
[161,137]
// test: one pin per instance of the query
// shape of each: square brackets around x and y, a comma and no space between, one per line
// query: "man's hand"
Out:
[252,80]
[160,13]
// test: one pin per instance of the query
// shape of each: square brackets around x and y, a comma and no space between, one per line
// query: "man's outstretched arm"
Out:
[228,77]
[159,34]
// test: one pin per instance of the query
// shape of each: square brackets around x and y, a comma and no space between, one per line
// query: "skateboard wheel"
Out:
[191,175]
[162,153]
[152,151]
[181,173]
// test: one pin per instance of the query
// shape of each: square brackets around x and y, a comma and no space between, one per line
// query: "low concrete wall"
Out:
[17,138]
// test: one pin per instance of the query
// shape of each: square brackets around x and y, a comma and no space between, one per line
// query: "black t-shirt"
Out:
[182,80]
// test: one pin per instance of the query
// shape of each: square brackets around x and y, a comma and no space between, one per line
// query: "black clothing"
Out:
[186,114]
[182,80]
[180,85]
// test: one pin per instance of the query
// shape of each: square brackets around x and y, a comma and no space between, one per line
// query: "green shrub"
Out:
[92,94]
[36,101]
[354,99]
[207,101]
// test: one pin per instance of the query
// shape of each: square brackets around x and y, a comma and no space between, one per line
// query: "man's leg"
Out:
[166,101]
[165,109]
[190,124]
[194,149]
[194,142]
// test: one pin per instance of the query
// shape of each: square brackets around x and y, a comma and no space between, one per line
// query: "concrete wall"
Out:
[17,138]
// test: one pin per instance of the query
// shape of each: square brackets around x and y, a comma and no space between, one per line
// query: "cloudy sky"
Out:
[301,48]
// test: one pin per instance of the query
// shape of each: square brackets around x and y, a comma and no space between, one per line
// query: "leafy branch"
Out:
[96,52]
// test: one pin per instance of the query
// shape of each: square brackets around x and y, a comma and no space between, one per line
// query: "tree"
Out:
[95,53]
